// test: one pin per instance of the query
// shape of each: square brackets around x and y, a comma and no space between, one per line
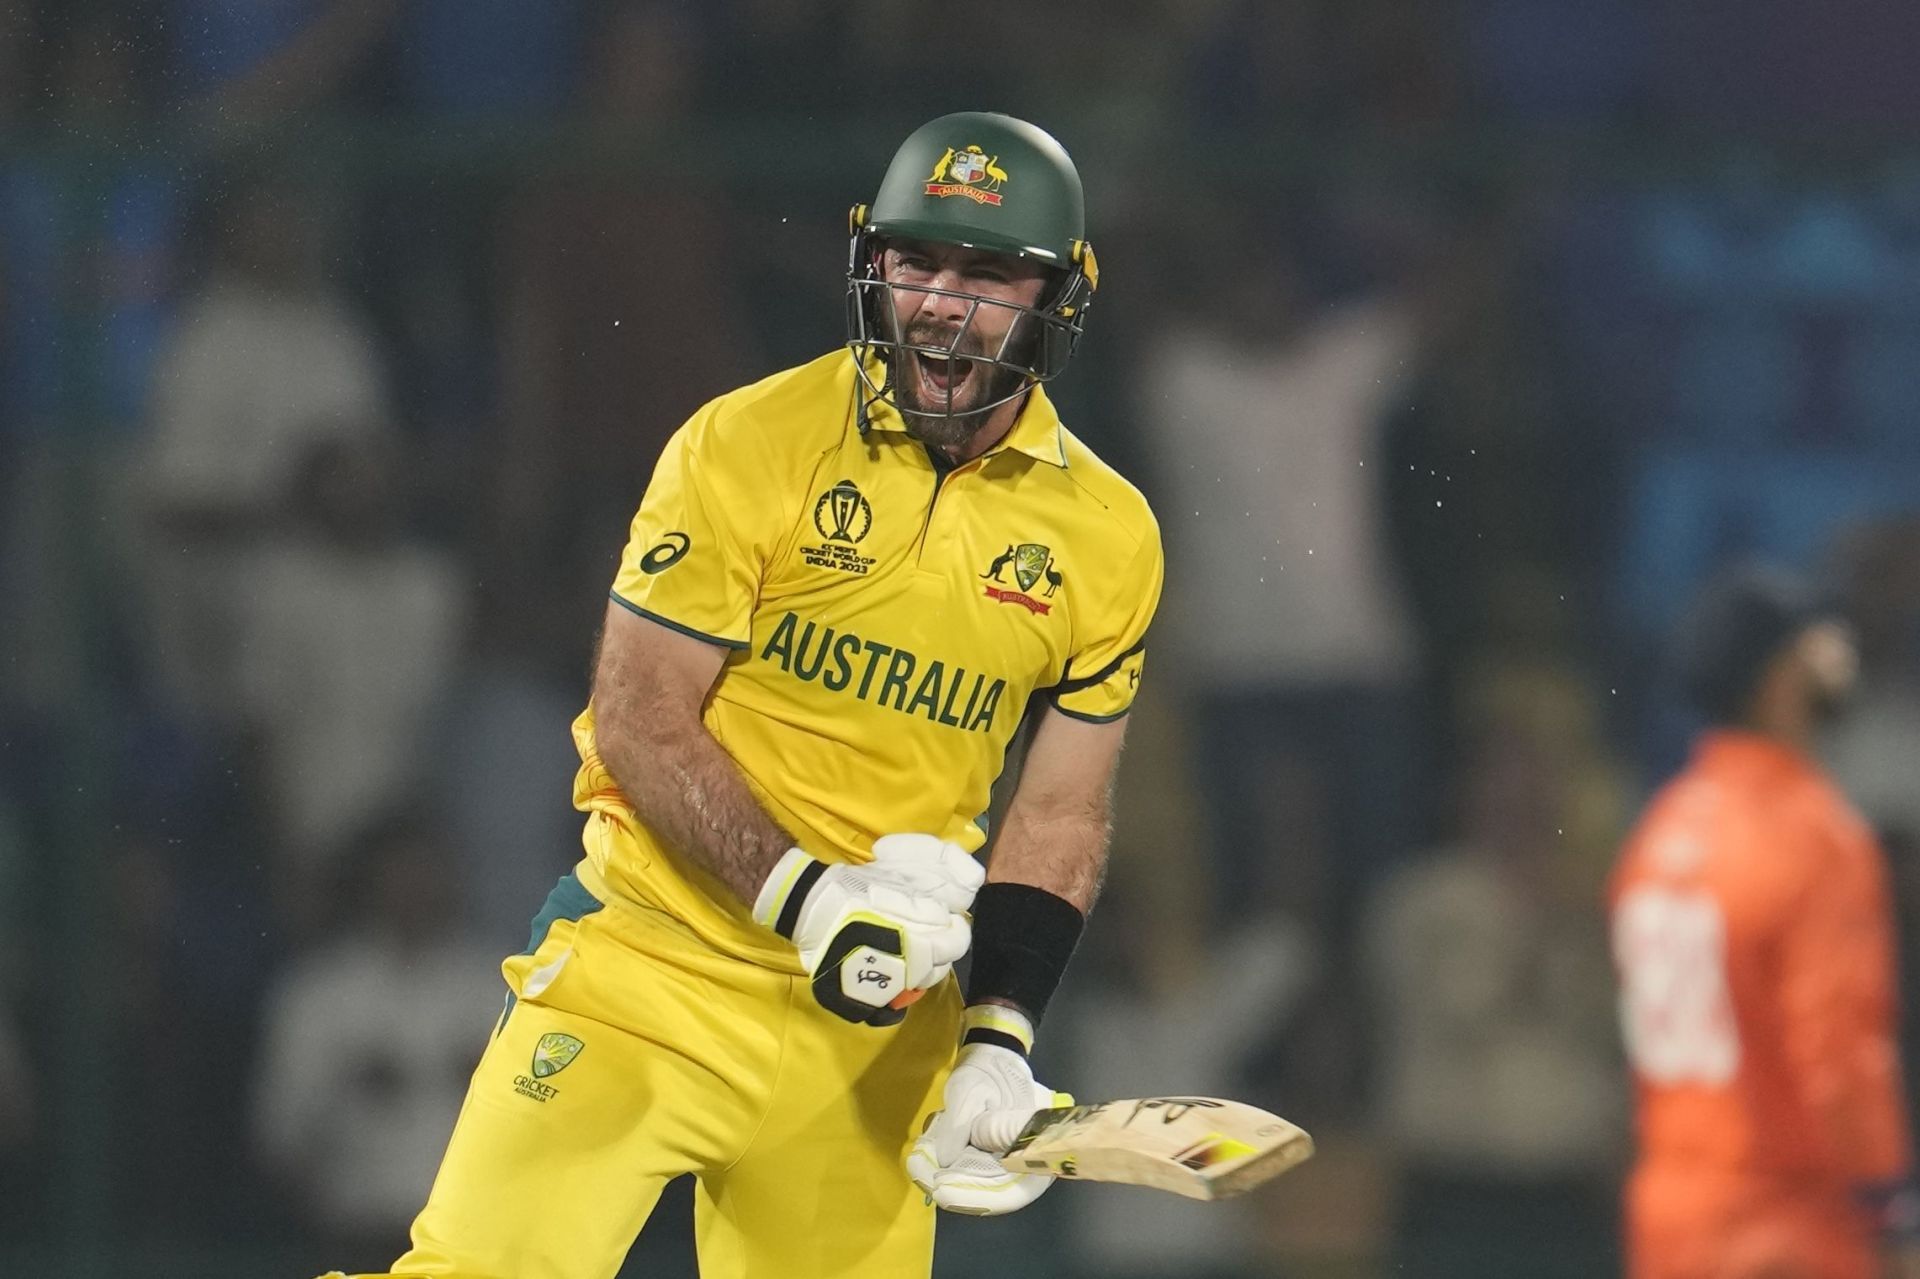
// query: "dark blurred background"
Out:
[1454,343]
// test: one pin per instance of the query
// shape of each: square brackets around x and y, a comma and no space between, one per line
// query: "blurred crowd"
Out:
[1453,343]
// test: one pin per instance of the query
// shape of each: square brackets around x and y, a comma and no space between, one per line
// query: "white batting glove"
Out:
[958,1175]
[876,935]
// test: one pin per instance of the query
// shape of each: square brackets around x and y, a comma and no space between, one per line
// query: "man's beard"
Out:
[925,415]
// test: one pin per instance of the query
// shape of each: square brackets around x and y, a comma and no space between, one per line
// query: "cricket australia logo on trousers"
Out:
[553,1054]
[1031,562]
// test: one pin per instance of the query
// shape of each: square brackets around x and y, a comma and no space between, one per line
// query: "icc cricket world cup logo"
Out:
[842,514]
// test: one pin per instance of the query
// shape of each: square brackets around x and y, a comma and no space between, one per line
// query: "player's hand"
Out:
[958,1175]
[874,936]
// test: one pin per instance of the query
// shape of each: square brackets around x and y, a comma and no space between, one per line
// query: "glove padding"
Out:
[954,1173]
[873,935]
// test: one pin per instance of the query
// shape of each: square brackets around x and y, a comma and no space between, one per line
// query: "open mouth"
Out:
[942,377]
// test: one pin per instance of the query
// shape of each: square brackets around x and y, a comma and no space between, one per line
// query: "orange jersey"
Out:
[1752,934]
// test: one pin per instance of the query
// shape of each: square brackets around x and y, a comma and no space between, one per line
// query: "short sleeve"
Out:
[703,535]
[1103,674]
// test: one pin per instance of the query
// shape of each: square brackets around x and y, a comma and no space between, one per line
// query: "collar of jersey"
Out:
[1036,432]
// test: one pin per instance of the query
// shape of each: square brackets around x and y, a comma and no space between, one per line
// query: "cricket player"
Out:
[1752,934]
[846,587]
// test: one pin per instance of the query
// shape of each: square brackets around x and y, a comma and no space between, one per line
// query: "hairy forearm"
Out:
[691,793]
[1061,850]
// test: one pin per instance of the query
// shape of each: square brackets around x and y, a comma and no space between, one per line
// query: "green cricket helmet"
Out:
[985,181]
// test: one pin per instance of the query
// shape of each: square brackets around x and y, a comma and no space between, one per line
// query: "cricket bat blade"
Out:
[1200,1147]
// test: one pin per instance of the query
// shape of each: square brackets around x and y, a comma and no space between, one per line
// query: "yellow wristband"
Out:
[994,1023]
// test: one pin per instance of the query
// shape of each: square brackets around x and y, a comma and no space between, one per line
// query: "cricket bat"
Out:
[1200,1147]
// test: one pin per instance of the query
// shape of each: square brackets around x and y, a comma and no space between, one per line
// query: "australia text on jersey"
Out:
[811,652]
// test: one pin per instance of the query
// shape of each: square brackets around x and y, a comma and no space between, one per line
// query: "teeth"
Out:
[944,359]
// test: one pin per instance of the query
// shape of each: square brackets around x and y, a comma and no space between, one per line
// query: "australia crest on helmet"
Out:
[969,172]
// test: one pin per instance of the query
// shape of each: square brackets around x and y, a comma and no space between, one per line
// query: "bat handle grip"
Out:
[996,1130]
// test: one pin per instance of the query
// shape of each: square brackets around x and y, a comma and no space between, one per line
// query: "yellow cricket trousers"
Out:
[632,1053]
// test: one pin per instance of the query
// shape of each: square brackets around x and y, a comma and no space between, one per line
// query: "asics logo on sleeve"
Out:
[667,554]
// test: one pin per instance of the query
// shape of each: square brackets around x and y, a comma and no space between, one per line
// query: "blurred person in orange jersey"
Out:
[1753,938]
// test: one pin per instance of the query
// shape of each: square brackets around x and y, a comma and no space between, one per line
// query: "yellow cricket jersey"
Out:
[888,624]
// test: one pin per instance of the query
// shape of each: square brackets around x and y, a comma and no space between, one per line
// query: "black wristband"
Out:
[796,897]
[1022,939]
[998,1038]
